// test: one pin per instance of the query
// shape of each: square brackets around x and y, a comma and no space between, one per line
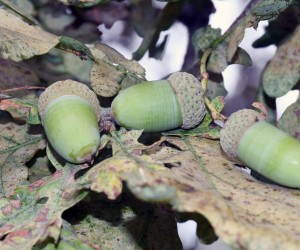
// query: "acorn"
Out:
[274,154]
[161,105]
[70,112]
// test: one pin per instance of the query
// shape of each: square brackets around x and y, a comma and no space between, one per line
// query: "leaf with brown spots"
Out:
[135,224]
[192,175]
[20,40]
[21,110]
[290,120]
[68,240]
[128,155]
[16,148]
[140,219]
[282,73]
[111,70]
[244,212]
[32,214]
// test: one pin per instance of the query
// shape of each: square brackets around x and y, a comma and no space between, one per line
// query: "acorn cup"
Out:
[161,105]
[247,138]
[70,112]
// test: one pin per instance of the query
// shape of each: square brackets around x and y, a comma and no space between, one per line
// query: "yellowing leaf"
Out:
[108,175]
[20,40]
[245,213]
[193,176]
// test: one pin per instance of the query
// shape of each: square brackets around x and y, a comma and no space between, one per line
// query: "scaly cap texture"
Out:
[68,87]
[190,96]
[235,127]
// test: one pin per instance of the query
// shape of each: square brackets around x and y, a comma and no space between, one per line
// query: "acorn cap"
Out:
[190,97]
[68,87]
[235,127]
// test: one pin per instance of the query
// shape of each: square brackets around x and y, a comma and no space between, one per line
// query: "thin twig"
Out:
[26,87]
[203,72]
[204,80]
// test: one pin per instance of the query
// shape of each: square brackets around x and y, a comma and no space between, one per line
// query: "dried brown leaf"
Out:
[245,213]
[193,176]
[111,69]
[20,40]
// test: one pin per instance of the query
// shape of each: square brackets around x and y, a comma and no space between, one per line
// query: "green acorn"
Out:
[262,147]
[161,105]
[70,112]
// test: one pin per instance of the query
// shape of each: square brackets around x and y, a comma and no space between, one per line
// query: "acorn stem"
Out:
[203,71]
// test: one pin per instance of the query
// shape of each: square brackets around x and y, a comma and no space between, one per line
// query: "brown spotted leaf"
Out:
[107,176]
[135,224]
[283,72]
[32,213]
[244,212]
[16,148]
[68,240]
[21,110]
[290,120]
[20,40]
[111,70]
[193,176]
[127,140]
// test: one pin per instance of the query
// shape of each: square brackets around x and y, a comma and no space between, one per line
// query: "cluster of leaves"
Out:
[138,182]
